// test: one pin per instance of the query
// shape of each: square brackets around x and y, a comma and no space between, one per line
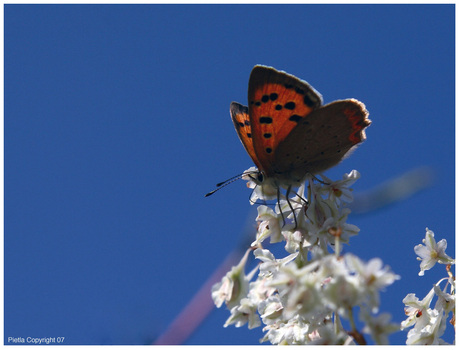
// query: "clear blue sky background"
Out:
[117,124]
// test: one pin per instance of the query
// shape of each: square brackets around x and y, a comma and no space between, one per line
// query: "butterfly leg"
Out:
[279,204]
[290,206]
[305,201]
[319,180]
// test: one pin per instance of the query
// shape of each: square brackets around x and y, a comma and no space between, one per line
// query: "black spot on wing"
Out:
[295,118]
[290,105]
[265,120]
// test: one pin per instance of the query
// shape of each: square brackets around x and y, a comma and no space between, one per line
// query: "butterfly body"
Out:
[288,133]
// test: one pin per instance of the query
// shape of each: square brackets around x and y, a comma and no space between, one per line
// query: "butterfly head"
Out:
[255,176]
[264,187]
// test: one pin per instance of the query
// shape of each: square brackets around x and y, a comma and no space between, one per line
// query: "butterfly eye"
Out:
[260,177]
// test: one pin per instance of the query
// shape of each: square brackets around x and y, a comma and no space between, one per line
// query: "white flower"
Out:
[233,286]
[302,297]
[270,225]
[340,190]
[325,334]
[259,290]
[337,225]
[326,221]
[298,289]
[416,310]
[378,327]
[244,313]
[428,332]
[373,276]
[446,301]
[270,309]
[269,263]
[292,332]
[293,240]
[432,252]
[330,265]
[318,211]
[342,293]
[429,324]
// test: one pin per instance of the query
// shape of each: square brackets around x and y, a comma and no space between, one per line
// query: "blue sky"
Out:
[117,123]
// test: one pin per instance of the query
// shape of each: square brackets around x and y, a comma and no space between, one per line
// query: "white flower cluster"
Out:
[303,297]
[429,324]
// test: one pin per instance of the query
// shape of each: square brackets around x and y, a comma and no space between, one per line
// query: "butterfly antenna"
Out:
[222,184]
[232,179]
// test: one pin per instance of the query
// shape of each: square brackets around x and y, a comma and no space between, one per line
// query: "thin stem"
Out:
[337,246]
[337,325]
[359,338]
[352,320]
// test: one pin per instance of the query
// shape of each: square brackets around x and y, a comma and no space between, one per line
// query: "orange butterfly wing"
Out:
[240,118]
[287,132]
[277,101]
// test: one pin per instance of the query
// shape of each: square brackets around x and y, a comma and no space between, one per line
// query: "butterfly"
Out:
[287,131]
